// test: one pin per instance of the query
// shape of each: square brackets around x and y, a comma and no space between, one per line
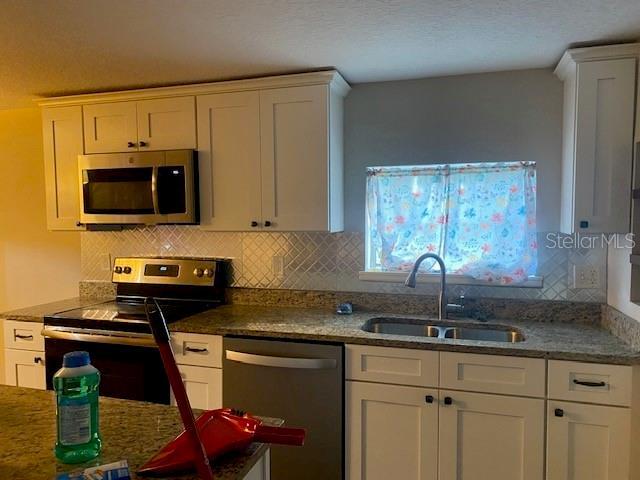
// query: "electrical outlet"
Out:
[105,262]
[586,276]
[277,266]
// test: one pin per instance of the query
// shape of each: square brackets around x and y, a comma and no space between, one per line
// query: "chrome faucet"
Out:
[442,298]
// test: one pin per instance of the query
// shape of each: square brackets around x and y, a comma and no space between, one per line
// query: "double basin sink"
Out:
[443,330]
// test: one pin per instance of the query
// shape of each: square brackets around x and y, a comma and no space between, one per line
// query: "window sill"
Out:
[400,277]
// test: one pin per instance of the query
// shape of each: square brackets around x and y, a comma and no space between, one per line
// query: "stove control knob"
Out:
[127,270]
[117,269]
[198,272]
[208,272]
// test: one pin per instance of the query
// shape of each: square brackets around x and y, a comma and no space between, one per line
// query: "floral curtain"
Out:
[480,217]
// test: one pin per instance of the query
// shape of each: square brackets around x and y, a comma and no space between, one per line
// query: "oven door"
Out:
[138,188]
[130,370]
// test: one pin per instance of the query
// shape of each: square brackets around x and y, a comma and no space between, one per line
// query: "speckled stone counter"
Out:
[561,340]
[549,330]
[130,430]
[38,312]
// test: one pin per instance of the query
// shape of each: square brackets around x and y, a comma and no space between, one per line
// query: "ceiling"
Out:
[50,47]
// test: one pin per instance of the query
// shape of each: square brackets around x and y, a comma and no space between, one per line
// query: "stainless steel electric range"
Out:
[116,333]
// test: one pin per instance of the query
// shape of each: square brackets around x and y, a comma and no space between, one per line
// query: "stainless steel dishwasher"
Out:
[303,383]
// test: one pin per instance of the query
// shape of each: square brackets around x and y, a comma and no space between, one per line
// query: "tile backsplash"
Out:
[317,261]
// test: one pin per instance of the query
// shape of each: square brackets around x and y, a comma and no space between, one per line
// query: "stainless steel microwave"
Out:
[139,188]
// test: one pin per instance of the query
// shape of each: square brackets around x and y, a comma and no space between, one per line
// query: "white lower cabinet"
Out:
[484,417]
[587,442]
[392,432]
[23,354]
[25,368]
[199,359]
[203,385]
[495,437]
[262,469]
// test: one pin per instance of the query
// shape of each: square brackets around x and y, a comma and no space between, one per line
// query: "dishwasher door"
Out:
[302,383]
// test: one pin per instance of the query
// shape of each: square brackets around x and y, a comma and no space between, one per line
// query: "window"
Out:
[480,218]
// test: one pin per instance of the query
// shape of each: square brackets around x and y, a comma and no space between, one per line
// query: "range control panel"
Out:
[168,271]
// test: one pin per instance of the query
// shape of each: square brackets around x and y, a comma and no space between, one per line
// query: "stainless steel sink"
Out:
[424,328]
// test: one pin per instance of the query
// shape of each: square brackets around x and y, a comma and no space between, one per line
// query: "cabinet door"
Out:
[62,142]
[587,442]
[110,127]
[605,102]
[229,158]
[493,437]
[261,470]
[204,386]
[295,163]
[392,432]
[167,124]
[24,368]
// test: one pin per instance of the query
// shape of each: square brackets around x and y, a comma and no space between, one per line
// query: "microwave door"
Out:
[175,194]
[119,195]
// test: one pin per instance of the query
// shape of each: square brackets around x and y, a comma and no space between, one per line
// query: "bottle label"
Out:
[75,424]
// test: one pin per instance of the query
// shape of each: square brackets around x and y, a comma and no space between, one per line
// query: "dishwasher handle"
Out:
[281,362]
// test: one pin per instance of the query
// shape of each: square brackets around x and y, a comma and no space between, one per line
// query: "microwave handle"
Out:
[154,190]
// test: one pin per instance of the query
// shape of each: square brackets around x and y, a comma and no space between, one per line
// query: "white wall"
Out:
[36,265]
[619,281]
[503,116]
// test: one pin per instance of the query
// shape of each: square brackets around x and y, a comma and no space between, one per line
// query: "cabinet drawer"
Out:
[24,368]
[196,349]
[23,335]
[399,366]
[493,374]
[590,382]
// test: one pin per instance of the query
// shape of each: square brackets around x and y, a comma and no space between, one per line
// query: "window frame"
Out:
[370,274]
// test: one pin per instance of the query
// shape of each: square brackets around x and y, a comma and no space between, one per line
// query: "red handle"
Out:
[158,326]
[280,435]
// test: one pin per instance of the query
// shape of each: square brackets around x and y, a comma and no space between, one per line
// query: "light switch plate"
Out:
[586,276]
[105,262]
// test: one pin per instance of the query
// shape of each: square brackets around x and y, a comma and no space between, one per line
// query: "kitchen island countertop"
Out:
[130,430]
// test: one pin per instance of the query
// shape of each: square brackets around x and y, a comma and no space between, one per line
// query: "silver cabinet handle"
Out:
[93,336]
[281,362]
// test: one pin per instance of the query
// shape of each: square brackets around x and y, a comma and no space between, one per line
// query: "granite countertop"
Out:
[562,340]
[555,340]
[130,430]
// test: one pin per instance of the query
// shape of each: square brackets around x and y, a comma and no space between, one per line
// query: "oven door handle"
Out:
[74,335]
[281,362]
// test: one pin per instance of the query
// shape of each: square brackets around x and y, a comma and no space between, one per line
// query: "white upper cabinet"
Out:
[294,152]
[599,110]
[110,127]
[269,149]
[271,158]
[229,160]
[167,124]
[62,142]
[156,124]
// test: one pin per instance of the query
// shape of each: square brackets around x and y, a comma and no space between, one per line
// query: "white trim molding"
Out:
[321,77]
[589,54]
[400,277]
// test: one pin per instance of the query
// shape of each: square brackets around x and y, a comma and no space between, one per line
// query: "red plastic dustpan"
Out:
[215,432]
